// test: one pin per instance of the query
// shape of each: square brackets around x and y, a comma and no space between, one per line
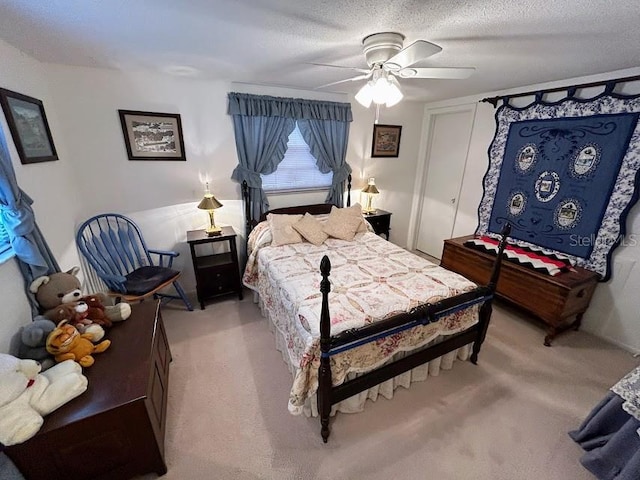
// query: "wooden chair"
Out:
[114,247]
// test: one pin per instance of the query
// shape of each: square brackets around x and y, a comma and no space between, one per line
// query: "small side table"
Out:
[216,273]
[380,220]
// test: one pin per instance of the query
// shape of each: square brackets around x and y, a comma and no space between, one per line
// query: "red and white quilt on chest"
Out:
[536,259]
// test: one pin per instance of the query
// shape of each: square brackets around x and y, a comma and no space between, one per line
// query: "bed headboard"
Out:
[314,209]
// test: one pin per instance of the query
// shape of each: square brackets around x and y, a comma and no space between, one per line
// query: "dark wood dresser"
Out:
[114,430]
[558,301]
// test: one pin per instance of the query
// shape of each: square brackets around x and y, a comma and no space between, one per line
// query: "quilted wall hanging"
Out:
[564,174]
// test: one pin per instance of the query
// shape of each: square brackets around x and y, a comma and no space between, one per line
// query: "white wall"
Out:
[613,313]
[49,184]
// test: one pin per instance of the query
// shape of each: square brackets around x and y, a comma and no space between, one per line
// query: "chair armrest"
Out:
[170,254]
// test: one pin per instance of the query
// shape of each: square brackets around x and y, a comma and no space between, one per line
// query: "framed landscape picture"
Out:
[152,136]
[386,140]
[29,127]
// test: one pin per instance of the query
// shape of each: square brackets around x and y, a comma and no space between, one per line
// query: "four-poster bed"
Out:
[432,311]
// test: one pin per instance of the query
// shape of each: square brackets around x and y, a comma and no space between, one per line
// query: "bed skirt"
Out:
[611,440]
[357,402]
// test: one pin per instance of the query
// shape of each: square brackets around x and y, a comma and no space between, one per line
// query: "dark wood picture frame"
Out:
[386,140]
[29,127]
[152,135]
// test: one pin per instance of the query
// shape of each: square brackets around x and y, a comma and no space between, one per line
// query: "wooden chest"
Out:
[558,301]
[114,430]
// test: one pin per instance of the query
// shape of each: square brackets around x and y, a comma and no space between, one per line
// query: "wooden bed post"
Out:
[324,374]
[349,190]
[486,308]
[247,209]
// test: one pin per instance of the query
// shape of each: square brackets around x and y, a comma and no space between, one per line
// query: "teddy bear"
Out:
[27,394]
[77,314]
[64,287]
[65,342]
[96,310]
[30,342]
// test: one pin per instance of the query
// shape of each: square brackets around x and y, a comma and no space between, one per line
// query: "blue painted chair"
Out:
[114,247]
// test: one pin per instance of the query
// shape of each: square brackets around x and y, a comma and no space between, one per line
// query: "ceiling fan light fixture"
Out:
[394,94]
[365,96]
[381,89]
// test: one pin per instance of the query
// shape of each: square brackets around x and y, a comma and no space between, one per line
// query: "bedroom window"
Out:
[298,170]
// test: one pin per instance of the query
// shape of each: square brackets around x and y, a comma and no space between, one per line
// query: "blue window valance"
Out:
[246,104]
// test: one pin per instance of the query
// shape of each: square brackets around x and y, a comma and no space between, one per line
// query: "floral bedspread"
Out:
[629,389]
[371,279]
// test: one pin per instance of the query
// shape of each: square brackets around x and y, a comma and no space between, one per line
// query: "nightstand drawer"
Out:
[380,221]
[220,280]
[379,224]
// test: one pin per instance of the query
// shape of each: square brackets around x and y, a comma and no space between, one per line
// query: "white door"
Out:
[447,149]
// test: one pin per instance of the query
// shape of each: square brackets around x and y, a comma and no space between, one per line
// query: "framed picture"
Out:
[29,127]
[152,136]
[386,140]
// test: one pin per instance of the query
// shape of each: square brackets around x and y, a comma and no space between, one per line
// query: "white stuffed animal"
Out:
[26,395]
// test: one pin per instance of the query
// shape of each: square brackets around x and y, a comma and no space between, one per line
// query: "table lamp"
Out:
[370,190]
[210,203]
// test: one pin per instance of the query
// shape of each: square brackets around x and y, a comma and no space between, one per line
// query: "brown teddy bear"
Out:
[64,288]
[77,314]
[96,310]
[67,343]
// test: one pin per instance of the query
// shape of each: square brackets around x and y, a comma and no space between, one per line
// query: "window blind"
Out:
[298,170]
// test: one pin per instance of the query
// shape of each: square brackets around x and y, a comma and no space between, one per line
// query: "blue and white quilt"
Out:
[564,175]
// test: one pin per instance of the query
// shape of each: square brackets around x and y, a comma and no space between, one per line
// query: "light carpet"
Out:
[506,418]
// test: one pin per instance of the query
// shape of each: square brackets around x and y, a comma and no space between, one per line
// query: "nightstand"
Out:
[380,220]
[217,273]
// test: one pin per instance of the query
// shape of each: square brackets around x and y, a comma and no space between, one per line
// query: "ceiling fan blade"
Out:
[352,79]
[436,72]
[418,50]
[361,70]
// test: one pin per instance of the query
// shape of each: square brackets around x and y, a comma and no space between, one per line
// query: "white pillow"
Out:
[343,223]
[310,229]
[282,230]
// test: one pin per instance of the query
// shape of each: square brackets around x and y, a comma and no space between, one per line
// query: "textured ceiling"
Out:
[510,42]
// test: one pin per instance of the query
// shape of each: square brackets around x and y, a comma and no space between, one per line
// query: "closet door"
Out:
[449,136]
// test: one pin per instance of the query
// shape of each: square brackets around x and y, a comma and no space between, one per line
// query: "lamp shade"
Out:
[209,202]
[371,189]
[365,95]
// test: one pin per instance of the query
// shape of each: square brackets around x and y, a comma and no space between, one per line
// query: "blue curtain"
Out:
[262,125]
[261,143]
[31,249]
[327,140]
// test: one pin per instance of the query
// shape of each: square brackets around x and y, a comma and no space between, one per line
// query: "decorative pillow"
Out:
[343,224]
[282,230]
[356,211]
[310,229]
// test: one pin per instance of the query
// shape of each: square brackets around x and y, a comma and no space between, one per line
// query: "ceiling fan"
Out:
[387,60]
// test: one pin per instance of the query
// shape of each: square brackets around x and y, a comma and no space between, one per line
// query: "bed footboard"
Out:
[329,395]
